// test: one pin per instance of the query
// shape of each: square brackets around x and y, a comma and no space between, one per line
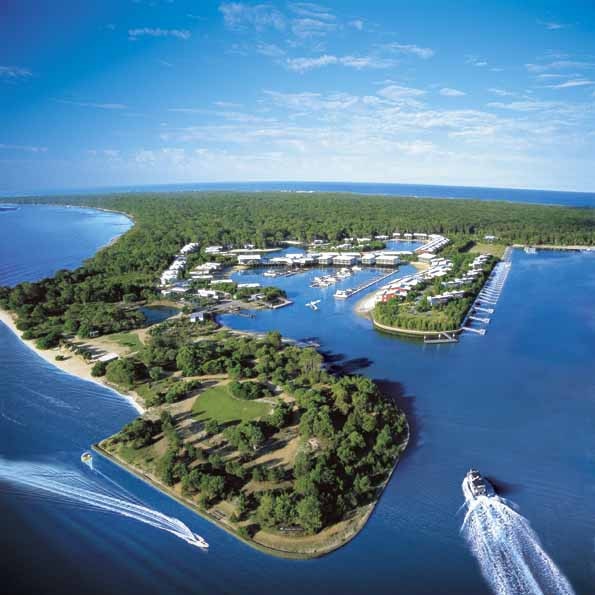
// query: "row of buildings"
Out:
[172,272]
[385,258]
[400,288]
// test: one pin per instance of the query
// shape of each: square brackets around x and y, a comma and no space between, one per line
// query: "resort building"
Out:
[213,249]
[189,248]
[369,259]
[387,259]
[249,259]
[346,259]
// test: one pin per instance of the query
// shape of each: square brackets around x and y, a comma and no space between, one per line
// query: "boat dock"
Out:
[489,295]
[443,337]
[365,286]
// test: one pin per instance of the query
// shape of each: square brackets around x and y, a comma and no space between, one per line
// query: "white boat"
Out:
[343,294]
[313,305]
[87,458]
[197,541]
[270,273]
[475,486]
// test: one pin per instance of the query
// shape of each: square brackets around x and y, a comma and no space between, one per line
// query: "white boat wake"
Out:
[511,558]
[65,485]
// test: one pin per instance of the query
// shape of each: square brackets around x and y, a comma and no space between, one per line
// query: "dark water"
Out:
[574,199]
[518,403]
[155,314]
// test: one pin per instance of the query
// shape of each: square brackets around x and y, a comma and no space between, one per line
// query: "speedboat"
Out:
[87,458]
[476,485]
[197,541]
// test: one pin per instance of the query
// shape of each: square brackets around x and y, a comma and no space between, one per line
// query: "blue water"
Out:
[518,403]
[574,199]
[37,241]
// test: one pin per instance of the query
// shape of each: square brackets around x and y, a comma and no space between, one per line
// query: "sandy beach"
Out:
[73,365]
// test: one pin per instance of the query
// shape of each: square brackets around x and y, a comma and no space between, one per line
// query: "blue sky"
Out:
[492,93]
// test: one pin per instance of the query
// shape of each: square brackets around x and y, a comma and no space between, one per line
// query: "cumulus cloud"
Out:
[448,92]
[134,34]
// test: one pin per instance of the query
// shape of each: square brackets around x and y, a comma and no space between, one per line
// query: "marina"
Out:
[489,294]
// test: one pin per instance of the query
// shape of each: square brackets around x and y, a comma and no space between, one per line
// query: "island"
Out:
[255,432]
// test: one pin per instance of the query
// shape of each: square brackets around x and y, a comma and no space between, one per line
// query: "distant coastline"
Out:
[567,198]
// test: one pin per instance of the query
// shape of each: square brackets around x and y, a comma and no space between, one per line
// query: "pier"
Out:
[365,286]
[489,294]
[443,337]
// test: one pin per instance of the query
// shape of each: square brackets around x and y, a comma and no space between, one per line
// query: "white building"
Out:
[249,259]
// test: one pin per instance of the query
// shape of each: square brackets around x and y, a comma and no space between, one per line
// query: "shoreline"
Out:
[73,366]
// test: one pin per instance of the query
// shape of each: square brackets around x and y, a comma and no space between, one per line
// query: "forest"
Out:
[96,297]
[349,434]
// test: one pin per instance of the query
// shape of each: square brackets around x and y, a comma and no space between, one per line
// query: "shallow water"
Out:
[518,404]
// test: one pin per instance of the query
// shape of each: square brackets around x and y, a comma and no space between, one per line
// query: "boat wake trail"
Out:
[64,485]
[511,558]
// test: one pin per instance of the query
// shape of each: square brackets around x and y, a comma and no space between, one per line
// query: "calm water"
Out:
[575,199]
[518,403]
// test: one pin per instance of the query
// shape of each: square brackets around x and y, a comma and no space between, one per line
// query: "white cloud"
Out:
[524,106]
[557,65]
[312,101]
[14,73]
[448,92]
[304,64]
[237,15]
[398,93]
[357,62]
[357,24]
[409,49]
[134,34]
[476,61]
[552,25]
[311,10]
[270,50]
[26,148]
[106,106]
[572,83]
[501,92]
[304,28]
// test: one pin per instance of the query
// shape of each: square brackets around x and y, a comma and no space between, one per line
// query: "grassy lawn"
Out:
[129,340]
[218,404]
[493,249]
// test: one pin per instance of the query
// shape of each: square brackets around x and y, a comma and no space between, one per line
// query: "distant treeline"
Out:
[128,270]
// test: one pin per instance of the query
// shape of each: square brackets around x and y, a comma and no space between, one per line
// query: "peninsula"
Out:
[253,432]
